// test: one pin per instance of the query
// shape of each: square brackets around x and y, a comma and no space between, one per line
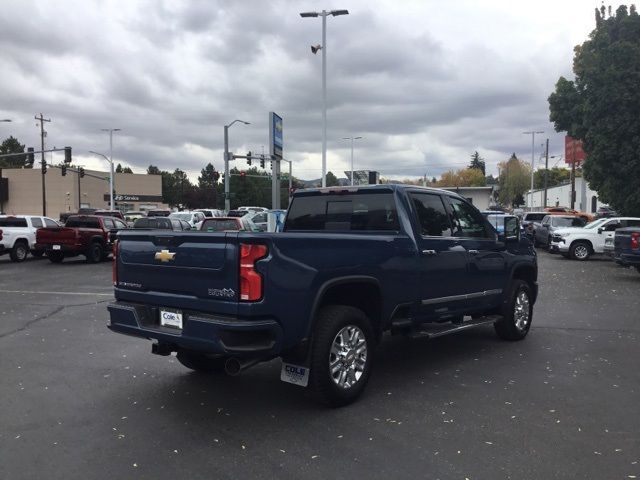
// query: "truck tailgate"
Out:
[57,235]
[188,270]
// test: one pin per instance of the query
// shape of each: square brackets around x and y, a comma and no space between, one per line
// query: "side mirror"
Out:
[511,229]
[600,230]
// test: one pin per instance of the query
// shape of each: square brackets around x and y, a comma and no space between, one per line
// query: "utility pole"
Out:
[79,193]
[546,173]
[533,138]
[573,175]
[43,163]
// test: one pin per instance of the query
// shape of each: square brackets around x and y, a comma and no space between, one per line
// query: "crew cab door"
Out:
[487,267]
[606,230]
[442,259]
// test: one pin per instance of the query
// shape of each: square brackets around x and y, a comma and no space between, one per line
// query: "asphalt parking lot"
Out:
[78,401]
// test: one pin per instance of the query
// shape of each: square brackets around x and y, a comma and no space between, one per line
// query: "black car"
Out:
[606,212]
[162,223]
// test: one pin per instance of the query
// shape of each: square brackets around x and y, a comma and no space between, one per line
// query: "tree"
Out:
[332,180]
[477,162]
[601,107]
[127,170]
[153,170]
[514,180]
[556,176]
[12,145]
[119,168]
[467,177]
[208,185]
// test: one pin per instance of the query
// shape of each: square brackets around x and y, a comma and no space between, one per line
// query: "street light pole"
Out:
[227,199]
[111,130]
[352,139]
[324,15]
[533,137]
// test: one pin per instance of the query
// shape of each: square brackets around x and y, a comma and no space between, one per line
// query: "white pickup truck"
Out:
[581,243]
[18,235]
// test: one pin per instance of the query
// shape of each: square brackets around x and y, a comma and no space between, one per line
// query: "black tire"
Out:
[19,252]
[95,252]
[332,325]
[55,257]
[580,251]
[513,326]
[200,362]
[37,253]
[548,242]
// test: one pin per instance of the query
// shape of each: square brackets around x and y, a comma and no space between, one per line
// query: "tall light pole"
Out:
[111,130]
[227,200]
[352,139]
[533,138]
[314,49]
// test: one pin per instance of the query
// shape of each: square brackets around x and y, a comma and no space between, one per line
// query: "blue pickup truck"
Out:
[626,244]
[351,264]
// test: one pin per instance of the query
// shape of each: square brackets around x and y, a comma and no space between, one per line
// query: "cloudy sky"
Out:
[425,83]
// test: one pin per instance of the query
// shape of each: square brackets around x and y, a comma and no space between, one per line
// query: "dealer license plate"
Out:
[171,319]
[295,374]
[56,247]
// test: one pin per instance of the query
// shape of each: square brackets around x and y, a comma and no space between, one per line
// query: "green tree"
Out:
[601,107]
[466,177]
[332,180]
[556,176]
[208,186]
[514,180]
[153,170]
[118,168]
[127,170]
[12,145]
[477,162]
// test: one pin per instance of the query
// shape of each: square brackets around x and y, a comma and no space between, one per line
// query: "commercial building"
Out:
[586,199]
[66,193]
[481,197]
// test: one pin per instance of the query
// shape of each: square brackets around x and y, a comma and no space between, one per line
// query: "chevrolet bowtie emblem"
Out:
[164,255]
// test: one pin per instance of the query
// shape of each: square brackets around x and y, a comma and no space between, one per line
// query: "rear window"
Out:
[220,225]
[567,222]
[80,222]
[159,223]
[13,222]
[366,210]
[534,217]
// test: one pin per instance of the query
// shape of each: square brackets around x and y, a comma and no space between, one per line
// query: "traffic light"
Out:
[30,156]
[67,154]
[249,158]
[262,161]
[81,172]
[63,169]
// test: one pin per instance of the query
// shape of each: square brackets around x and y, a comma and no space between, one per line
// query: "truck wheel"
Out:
[517,313]
[200,362]
[19,252]
[580,250]
[55,257]
[341,355]
[94,254]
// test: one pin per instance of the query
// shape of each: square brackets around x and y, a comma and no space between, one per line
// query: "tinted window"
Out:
[260,218]
[432,215]
[36,222]
[108,223]
[632,223]
[220,225]
[82,222]
[50,223]
[567,222]
[611,226]
[119,224]
[13,222]
[467,221]
[362,211]
[534,217]
[141,223]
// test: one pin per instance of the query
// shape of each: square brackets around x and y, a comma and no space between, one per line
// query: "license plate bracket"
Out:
[171,318]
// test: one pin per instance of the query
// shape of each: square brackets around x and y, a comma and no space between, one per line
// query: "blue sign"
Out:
[275,134]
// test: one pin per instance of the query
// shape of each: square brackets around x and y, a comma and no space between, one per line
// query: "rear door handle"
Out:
[473,252]
[429,252]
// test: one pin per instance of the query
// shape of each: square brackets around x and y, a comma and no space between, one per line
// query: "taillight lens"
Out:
[635,240]
[114,267]
[250,279]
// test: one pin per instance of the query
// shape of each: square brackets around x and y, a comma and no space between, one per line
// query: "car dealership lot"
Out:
[79,401]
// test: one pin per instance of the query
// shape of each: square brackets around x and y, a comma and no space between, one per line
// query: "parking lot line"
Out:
[58,293]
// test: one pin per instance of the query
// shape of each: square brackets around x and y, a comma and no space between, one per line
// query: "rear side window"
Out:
[13,222]
[141,223]
[80,222]
[361,211]
[108,223]
[50,223]
[431,215]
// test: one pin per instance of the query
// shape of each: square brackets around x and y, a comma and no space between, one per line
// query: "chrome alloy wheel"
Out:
[521,311]
[348,356]
[581,251]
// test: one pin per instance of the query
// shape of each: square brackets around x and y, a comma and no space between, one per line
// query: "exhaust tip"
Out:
[232,366]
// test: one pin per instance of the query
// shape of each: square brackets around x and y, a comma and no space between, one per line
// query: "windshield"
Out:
[181,216]
[595,223]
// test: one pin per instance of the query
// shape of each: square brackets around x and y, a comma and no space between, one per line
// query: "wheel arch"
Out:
[529,274]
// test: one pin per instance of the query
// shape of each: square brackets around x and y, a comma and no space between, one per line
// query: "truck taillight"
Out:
[250,279]
[635,240]
[114,267]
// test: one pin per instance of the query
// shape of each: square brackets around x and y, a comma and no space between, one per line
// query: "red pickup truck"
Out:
[88,235]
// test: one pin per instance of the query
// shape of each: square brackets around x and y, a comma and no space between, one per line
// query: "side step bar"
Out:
[434,330]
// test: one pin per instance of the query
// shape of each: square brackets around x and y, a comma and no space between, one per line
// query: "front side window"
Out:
[611,226]
[431,215]
[50,223]
[467,221]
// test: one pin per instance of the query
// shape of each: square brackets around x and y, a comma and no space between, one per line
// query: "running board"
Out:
[434,330]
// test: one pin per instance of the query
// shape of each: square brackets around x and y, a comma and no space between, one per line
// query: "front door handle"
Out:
[473,252]
[429,252]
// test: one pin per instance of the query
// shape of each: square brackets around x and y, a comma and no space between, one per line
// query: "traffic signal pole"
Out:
[43,163]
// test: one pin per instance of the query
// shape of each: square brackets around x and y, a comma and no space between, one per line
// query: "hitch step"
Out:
[434,330]
[161,349]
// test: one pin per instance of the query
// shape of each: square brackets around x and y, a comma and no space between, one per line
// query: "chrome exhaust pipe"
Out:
[234,366]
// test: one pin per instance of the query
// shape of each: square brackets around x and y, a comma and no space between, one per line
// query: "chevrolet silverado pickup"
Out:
[627,247]
[87,235]
[351,264]
[18,235]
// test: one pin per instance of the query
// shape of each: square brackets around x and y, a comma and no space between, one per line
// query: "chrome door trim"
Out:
[467,296]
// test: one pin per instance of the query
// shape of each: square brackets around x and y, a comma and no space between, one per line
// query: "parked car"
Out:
[351,264]
[606,212]
[528,219]
[132,215]
[254,209]
[550,223]
[194,219]
[260,219]
[237,213]
[627,247]
[229,224]
[582,243]
[161,223]
[18,235]
[109,213]
[566,210]
[210,212]
[88,235]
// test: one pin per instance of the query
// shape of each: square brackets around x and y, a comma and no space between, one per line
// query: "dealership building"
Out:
[21,191]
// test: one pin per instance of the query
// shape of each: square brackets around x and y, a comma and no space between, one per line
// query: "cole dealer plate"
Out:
[171,318]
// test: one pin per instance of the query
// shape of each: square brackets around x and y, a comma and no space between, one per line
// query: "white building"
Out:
[586,199]
[480,197]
